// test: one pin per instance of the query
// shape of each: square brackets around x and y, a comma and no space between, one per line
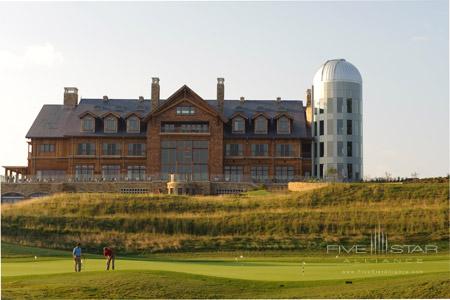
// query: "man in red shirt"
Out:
[110,257]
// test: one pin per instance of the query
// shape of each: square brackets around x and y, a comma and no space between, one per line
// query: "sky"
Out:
[263,50]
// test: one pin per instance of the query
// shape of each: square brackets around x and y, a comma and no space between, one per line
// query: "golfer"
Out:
[77,257]
[110,257]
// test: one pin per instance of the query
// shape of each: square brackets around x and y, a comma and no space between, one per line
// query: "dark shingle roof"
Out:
[62,121]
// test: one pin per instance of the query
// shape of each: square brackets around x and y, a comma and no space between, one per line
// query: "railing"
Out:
[156,177]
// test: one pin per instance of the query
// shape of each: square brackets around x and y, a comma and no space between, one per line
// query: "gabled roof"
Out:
[61,121]
[185,94]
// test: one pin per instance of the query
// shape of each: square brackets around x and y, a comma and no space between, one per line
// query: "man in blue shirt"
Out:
[77,257]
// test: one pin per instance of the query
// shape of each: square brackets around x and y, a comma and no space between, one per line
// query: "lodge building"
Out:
[186,135]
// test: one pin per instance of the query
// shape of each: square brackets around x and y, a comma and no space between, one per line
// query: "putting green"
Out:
[251,270]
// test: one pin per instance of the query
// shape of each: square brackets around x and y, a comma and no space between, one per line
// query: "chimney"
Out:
[242,99]
[220,93]
[105,98]
[155,93]
[309,108]
[278,99]
[141,99]
[70,96]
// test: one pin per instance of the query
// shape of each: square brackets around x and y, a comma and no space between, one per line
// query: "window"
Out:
[349,127]
[44,148]
[260,149]
[340,126]
[84,172]
[340,103]
[321,170]
[260,173]
[340,149]
[86,149]
[136,172]
[185,158]
[284,150]
[349,171]
[136,149]
[315,128]
[316,153]
[260,125]
[111,172]
[234,173]
[185,127]
[306,150]
[185,110]
[321,127]
[284,173]
[284,125]
[88,124]
[238,125]
[349,105]
[349,149]
[234,150]
[321,149]
[133,124]
[111,149]
[110,124]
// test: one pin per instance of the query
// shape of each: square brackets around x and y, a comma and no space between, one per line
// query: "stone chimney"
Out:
[220,93]
[155,93]
[278,99]
[70,96]
[141,99]
[309,108]
[242,99]
[105,98]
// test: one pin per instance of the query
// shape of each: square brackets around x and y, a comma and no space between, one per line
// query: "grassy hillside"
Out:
[415,212]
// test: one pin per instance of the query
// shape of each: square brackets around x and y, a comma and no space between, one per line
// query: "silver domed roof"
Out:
[337,70]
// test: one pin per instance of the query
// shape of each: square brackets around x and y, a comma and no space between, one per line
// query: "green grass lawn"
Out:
[225,275]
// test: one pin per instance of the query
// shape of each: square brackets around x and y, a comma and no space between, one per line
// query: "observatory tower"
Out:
[337,121]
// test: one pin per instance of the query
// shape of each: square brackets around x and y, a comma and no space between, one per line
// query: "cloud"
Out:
[44,55]
[419,38]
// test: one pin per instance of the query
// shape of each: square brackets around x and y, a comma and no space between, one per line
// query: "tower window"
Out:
[321,149]
[340,149]
[349,105]
[349,171]
[315,128]
[339,104]
[321,127]
[340,126]
[349,127]
[349,149]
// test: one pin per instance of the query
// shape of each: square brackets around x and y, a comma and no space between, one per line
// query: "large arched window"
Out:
[261,125]
[283,125]
[133,124]
[238,125]
[110,124]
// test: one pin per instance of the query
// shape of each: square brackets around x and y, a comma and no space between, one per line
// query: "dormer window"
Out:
[238,125]
[261,125]
[88,124]
[284,125]
[110,124]
[133,124]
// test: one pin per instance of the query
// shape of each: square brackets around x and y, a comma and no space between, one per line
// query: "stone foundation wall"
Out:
[28,189]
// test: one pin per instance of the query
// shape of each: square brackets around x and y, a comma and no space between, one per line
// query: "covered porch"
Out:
[15,174]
